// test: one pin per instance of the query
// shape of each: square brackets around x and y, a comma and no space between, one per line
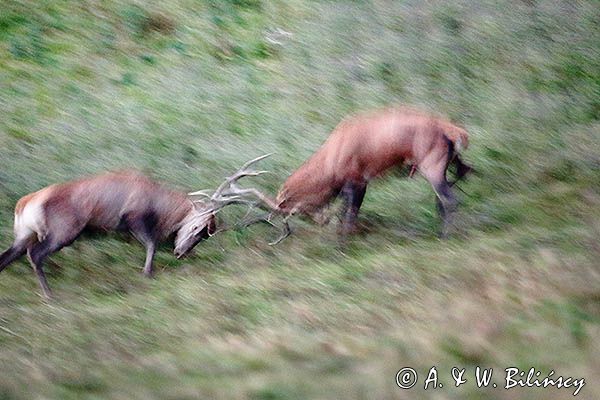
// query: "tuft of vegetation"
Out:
[188,91]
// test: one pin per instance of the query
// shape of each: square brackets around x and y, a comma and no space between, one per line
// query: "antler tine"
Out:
[270,203]
[286,231]
[240,173]
[254,161]
[200,193]
[243,171]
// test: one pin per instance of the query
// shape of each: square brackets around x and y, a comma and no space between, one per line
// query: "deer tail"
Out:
[458,140]
[458,136]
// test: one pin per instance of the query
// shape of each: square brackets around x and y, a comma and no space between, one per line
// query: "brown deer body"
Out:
[364,147]
[48,220]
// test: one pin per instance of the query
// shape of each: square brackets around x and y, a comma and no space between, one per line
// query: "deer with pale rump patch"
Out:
[362,148]
[54,217]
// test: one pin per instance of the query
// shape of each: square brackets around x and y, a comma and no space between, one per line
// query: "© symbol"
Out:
[406,378]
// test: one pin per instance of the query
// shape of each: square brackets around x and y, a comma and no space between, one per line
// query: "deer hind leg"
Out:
[435,173]
[14,252]
[36,253]
[446,205]
[62,232]
[24,236]
[353,195]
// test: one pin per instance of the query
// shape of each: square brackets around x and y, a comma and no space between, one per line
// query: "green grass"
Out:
[189,90]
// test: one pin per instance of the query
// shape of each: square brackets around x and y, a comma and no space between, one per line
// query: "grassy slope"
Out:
[88,86]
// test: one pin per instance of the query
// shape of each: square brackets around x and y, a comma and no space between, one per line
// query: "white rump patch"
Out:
[30,222]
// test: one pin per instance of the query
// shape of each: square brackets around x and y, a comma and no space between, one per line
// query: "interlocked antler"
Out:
[230,193]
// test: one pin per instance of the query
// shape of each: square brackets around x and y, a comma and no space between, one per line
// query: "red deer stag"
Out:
[365,146]
[52,218]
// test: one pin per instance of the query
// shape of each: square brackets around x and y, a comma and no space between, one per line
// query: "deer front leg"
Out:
[150,250]
[143,228]
[354,194]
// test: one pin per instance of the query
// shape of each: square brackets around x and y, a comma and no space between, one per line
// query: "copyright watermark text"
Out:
[511,377]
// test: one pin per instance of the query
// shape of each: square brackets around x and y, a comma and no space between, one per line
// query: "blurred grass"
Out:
[189,90]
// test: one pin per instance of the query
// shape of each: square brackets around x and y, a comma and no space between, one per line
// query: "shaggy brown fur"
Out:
[51,218]
[364,147]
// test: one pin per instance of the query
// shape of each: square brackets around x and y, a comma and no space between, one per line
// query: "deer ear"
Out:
[212,225]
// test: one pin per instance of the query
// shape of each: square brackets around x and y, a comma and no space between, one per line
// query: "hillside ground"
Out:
[188,90]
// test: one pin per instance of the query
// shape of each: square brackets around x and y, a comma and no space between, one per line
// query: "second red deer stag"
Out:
[52,218]
[365,146]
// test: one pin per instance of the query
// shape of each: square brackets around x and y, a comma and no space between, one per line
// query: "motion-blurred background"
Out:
[187,90]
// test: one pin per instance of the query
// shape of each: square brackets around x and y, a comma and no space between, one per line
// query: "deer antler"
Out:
[229,192]
[266,219]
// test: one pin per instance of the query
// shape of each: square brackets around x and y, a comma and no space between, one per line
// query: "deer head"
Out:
[196,225]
